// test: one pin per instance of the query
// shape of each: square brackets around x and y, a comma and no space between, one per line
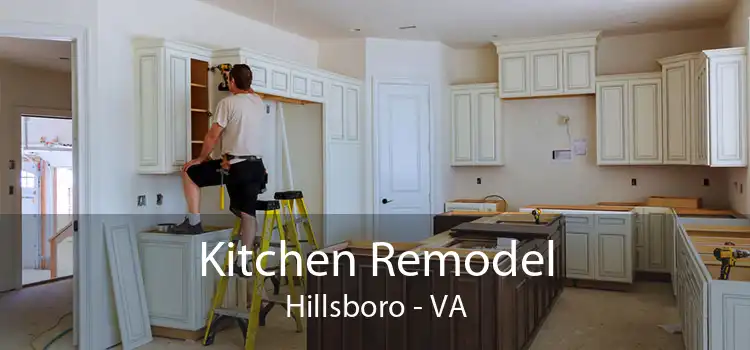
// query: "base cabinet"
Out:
[599,245]
[177,294]
[654,240]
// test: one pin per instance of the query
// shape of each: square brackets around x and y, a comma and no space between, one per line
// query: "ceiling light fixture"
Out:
[408,27]
[355,30]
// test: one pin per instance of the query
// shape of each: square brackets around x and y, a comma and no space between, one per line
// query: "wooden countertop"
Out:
[708,212]
[580,207]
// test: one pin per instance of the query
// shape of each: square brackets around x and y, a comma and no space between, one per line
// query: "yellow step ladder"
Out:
[287,229]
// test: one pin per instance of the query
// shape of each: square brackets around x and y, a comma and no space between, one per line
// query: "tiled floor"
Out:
[582,319]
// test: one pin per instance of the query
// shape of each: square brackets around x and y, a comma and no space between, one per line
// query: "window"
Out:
[28,180]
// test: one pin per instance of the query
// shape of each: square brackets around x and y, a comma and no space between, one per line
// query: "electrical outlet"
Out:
[479,181]
[563,119]
[159,199]
[633,182]
[142,200]
[706,182]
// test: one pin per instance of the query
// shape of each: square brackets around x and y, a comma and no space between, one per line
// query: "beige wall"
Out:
[304,129]
[737,32]
[532,132]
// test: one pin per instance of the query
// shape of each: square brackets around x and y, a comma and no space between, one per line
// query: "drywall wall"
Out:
[304,129]
[29,87]
[343,56]
[638,53]
[738,33]
[473,66]
[531,133]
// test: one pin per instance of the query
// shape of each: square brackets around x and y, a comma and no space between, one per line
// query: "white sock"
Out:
[194,219]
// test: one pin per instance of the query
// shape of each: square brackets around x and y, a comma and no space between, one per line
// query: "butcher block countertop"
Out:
[580,207]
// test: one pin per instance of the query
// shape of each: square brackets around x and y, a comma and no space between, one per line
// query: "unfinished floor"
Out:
[582,319]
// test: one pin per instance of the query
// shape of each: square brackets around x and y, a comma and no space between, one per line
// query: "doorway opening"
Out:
[46,180]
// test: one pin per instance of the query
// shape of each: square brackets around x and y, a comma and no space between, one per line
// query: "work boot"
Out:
[186,229]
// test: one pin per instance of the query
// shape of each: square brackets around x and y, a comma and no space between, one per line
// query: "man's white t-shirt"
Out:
[241,116]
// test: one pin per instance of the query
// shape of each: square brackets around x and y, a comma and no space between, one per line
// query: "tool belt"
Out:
[230,157]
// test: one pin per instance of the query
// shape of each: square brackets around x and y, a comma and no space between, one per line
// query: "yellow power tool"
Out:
[224,68]
[537,213]
[728,256]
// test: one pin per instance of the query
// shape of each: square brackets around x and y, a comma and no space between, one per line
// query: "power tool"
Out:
[728,256]
[224,68]
[537,213]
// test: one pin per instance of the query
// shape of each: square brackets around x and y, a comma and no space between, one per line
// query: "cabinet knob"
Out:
[386,200]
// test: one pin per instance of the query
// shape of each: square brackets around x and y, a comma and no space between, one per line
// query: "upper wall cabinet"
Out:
[629,119]
[705,108]
[548,66]
[476,125]
[171,94]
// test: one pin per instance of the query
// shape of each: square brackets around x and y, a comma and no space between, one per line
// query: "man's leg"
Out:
[193,197]
[249,228]
[197,176]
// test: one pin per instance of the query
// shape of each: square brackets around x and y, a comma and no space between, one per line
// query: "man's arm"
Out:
[210,140]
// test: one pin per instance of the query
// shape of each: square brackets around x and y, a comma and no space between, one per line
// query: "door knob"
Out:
[386,201]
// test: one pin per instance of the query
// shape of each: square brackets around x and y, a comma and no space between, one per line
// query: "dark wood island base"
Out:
[501,312]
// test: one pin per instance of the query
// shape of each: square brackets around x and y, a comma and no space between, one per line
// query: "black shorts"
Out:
[245,181]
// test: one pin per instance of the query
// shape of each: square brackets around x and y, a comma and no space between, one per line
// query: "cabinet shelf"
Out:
[198,85]
[199,110]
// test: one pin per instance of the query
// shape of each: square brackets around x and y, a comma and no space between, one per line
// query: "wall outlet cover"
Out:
[142,200]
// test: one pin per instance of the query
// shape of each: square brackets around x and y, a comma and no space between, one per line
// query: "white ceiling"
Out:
[466,23]
[36,53]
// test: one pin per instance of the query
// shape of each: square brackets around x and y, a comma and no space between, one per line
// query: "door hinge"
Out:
[75,225]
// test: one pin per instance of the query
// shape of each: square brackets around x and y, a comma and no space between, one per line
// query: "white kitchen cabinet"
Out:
[547,66]
[705,108]
[466,206]
[677,78]
[476,125]
[163,103]
[727,107]
[177,293]
[654,239]
[629,117]
[599,245]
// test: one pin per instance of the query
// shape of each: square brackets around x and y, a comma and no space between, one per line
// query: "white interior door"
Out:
[31,210]
[402,113]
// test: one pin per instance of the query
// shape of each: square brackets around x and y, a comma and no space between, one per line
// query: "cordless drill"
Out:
[224,68]
[728,256]
[537,214]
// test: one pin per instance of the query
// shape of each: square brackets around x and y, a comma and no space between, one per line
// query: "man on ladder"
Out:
[238,125]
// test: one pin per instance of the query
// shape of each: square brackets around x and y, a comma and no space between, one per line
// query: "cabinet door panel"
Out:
[645,122]
[546,72]
[178,108]
[611,259]
[514,70]
[352,113]
[486,130]
[577,252]
[612,123]
[261,75]
[300,85]
[677,144]
[700,114]
[727,107]
[149,69]
[657,242]
[462,127]
[579,70]
[280,80]
[317,89]
[335,112]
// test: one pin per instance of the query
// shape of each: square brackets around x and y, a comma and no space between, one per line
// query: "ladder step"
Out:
[244,314]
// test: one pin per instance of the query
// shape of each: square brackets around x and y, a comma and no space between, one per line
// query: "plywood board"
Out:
[127,282]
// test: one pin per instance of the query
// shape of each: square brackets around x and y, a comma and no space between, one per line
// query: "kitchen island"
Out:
[490,311]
